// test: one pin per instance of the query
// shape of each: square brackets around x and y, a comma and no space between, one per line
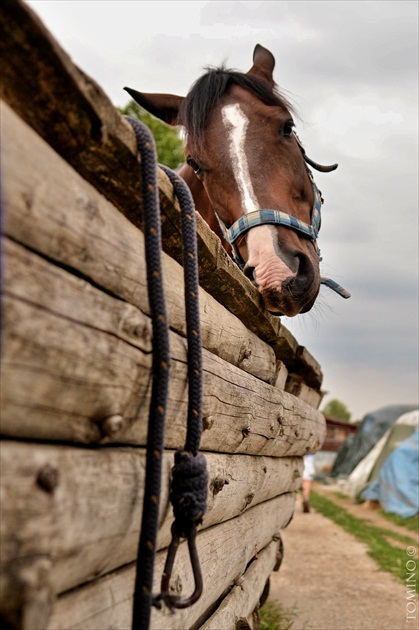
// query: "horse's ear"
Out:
[263,64]
[163,106]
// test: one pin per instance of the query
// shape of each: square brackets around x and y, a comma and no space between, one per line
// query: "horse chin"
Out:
[279,303]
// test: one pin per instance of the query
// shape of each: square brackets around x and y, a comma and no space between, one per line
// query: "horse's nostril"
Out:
[250,273]
[304,266]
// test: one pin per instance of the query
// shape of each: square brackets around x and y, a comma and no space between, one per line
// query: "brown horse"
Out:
[249,179]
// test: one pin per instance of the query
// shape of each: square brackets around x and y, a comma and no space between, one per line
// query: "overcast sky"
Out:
[351,69]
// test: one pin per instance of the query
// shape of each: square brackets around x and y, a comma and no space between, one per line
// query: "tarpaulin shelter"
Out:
[372,428]
[368,469]
[397,484]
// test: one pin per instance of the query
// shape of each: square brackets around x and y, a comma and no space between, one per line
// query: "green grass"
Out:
[411,523]
[389,558]
[340,495]
[274,617]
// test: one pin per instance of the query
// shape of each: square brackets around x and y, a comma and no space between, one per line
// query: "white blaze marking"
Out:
[236,124]
[260,239]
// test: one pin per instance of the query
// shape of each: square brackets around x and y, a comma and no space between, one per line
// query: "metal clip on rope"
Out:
[174,601]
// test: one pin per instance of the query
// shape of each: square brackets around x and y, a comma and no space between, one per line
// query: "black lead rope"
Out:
[190,479]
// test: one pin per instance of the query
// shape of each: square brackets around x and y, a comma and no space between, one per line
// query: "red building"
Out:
[336,434]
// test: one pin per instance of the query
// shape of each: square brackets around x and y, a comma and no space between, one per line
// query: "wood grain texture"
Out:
[78,229]
[241,604]
[296,386]
[281,375]
[80,509]
[82,356]
[77,119]
[107,603]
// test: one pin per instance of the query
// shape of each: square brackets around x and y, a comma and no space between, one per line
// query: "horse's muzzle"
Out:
[279,303]
[297,295]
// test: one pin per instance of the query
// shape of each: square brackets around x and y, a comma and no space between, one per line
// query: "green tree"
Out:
[169,146]
[336,409]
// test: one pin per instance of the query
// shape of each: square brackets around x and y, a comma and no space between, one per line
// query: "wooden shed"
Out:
[76,371]
[336,433]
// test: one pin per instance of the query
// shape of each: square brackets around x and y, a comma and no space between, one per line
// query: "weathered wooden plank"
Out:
[107,602]
[74,356]
[295,385]
[243,600]
[62,379]
[303,363]
[31,277]
[80,509]
[78,228]
[75,117]
[281,375]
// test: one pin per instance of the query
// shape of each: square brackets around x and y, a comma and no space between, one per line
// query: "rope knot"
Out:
[189,491]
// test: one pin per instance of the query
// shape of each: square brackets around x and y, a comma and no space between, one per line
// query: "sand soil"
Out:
[330,581]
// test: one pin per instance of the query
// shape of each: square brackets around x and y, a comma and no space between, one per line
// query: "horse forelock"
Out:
[205,93]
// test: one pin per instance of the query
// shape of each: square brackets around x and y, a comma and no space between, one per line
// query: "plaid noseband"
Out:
[277,217]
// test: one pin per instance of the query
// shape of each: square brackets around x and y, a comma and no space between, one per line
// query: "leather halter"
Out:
[278,217]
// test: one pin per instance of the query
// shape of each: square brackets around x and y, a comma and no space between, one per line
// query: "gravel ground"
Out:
[332,583]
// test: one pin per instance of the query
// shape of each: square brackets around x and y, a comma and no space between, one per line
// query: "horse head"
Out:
[248,174]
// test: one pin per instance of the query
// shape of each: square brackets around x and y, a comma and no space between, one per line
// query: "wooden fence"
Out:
[76,361]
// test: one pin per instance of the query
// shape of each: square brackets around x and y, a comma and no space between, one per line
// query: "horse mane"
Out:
[209,88]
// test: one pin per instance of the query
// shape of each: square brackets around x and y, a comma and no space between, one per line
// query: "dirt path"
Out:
[327,576]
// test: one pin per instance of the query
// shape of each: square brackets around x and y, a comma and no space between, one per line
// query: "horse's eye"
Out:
[197,169]
[288,128]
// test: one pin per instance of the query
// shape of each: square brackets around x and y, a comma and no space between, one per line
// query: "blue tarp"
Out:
[372,428]
[397,486]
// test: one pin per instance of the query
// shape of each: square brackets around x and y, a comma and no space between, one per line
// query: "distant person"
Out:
[308,476]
